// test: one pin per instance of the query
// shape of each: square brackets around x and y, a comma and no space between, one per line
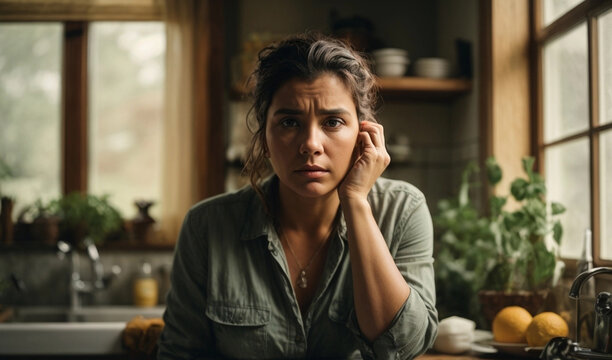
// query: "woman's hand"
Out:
[371,160]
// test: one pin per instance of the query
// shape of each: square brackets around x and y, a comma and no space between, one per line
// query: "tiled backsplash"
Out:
[46,277]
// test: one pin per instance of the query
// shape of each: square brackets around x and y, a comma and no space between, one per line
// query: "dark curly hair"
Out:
[304,56]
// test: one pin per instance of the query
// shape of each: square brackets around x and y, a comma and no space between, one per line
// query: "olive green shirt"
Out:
[231,294]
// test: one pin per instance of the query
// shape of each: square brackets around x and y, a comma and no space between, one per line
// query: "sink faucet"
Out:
[603,319]
[99,280]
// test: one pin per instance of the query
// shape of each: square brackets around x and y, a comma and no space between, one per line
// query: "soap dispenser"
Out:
[145,286]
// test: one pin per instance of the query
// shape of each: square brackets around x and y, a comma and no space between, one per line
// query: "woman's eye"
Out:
[333,122]
[289,122]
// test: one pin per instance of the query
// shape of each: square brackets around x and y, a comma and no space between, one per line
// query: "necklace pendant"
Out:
[303,282]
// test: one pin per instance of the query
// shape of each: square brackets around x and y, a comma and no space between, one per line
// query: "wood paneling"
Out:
[505,85]
[208,98]
[99,10]
[74,108]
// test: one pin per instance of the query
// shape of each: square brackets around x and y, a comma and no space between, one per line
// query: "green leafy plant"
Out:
[86,215]
[505,250]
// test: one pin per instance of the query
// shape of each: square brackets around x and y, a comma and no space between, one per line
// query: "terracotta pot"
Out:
[6,221]
[46,229]
[491,301]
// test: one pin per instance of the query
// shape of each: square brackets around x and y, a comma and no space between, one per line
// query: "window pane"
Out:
[126,109]
[605,68]
[566,90]
[30,108]
[605,179]
[553,9]
[567,180]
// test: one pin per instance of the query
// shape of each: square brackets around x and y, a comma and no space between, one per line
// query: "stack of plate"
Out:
[390,62]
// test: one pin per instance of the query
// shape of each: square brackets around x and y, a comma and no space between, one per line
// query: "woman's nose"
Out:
[311,143]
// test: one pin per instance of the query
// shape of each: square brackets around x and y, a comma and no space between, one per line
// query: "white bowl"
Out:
[432,68]
[392,59]
[390,69]
[389,52]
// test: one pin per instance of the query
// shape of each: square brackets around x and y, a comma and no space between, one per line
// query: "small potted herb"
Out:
[86,215]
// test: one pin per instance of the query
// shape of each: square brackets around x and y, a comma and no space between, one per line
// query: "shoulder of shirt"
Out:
[384,186]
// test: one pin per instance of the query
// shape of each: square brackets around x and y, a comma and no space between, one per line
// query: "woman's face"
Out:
[311,131]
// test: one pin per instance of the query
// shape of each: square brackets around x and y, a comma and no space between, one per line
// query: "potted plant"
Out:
[86,215]
[506,257]
[38,223]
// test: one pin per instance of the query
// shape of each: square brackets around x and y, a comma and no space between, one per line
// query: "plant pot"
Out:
[142,224]
[46,229]
[6,220]
[492,301]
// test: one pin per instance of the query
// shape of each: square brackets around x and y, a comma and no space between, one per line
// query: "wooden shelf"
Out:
[407,87]
[423,88]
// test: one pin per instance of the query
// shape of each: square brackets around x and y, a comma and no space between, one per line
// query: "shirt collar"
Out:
[258,222]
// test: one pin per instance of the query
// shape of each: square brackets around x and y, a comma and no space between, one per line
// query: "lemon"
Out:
[510,324]
[544,327]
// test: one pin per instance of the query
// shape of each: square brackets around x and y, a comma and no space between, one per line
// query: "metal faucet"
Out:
[78,286]
[562,348]
[601,333]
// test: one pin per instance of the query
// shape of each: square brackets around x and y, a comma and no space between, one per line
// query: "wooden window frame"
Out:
[75,19]
[585,12]
[208,45]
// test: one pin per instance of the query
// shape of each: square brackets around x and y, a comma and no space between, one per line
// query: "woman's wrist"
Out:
[354,202]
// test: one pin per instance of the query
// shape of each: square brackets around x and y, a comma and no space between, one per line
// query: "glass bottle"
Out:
[587,292]
[145,287]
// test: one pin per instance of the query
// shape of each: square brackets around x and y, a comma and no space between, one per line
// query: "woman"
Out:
[324,258]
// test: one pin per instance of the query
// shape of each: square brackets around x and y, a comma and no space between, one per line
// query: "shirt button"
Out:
[271,248]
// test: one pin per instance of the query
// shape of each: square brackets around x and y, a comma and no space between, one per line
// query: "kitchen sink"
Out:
[88,330]
[46,314]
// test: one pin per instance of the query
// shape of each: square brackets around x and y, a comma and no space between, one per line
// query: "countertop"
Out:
[498,356]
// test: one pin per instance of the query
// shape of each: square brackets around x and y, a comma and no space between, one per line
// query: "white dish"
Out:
[391,69]
[432,68]
[519,349]
[389,52]
[392,59]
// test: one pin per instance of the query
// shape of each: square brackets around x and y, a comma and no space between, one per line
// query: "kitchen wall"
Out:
[443,134]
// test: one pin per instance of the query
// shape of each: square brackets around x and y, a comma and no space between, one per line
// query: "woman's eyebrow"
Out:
[286,111]
[337,111]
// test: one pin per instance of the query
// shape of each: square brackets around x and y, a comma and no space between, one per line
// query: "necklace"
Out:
[303,281]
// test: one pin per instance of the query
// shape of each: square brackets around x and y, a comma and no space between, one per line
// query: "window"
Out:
[30,108]
[575,118]
[124,83]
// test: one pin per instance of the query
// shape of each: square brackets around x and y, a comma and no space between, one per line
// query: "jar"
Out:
[145,287]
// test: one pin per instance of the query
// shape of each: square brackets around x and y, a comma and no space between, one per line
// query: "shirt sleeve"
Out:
[187,332]
[414,328]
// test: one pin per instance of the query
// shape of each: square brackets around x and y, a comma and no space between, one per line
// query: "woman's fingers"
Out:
[374,137]
[376,132]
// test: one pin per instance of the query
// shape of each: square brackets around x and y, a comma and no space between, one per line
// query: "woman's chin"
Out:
[314,190]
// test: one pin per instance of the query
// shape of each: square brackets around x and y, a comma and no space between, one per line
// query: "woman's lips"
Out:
[312,172]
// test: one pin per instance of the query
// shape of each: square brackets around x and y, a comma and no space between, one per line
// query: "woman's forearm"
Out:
[379,288]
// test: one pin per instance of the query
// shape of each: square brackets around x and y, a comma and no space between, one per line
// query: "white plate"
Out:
[519,349]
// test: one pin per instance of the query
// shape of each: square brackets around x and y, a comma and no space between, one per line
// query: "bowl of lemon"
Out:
[517,332]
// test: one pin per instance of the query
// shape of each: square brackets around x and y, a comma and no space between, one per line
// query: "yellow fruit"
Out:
[544,327]
[510,324]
